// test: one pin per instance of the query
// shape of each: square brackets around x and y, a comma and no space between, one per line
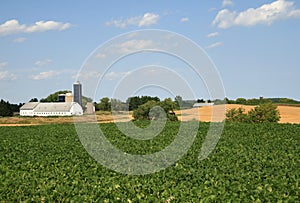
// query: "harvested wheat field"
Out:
[288,114]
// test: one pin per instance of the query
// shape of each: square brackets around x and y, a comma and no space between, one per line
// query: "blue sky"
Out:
[254,44]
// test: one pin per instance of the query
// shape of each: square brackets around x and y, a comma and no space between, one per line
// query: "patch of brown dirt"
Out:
[98,118]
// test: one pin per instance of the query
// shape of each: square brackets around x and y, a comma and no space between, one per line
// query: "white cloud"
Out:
[20,39]
[146,20]
[43,62]
[227,3]
[3,64]
[86,75]
[133,45]
[214,45]
[183,20]
[13,27]
[266,14]
[5,75]
[115,75]
[45,75]
[213,34]
[100,56]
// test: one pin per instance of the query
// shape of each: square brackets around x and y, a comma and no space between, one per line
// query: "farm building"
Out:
[197,105]
[51,109]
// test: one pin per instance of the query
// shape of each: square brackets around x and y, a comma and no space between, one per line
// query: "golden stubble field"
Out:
[289,114]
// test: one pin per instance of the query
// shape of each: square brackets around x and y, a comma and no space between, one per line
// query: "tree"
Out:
[142,112]
[220,101]
[237,115]
[33,100]
[178,102]
[264,113]
[240,101]
[5,108]
[133,102]
[104,105]
[85,100]
[117,105]
[154,110]
[54,97]
[136,101]
[253,102]
[200,101]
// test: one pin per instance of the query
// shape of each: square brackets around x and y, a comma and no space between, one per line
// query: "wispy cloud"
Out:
[45,75]
[227,3]
[5,75]
[86,75]
[3,64]
[13,27]
[100,56]
[213,34]
[20,40]
[266,14]
[115,75]
[133,45]
[146,20]
[183,20]
[214,45]
[43,62]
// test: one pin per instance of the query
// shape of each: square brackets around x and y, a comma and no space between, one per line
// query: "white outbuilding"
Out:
[198,105]
[51,109]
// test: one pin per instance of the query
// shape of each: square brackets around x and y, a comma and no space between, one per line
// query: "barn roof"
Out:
[48,106]
[29,106]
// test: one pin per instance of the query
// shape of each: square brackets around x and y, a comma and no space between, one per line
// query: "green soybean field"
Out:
[251,163]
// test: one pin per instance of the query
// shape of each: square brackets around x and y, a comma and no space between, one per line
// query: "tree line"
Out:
[8,109]
[133,103]
[143,107]
[261,100]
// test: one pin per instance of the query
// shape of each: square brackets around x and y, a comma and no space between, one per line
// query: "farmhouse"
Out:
[51,109]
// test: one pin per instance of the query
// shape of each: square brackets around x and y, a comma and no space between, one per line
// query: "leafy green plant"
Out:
[266,112]
[237,115]
[251,163]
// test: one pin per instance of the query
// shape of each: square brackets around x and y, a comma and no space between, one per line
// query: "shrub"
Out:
[262,113]
[237,115]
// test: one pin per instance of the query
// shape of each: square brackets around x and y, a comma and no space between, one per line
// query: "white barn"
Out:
[51,109]
[198,105]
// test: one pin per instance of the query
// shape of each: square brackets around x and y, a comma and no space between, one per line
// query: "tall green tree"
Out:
[104,105]
[5,108]
[136,101]
[178,102]
[153,110]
